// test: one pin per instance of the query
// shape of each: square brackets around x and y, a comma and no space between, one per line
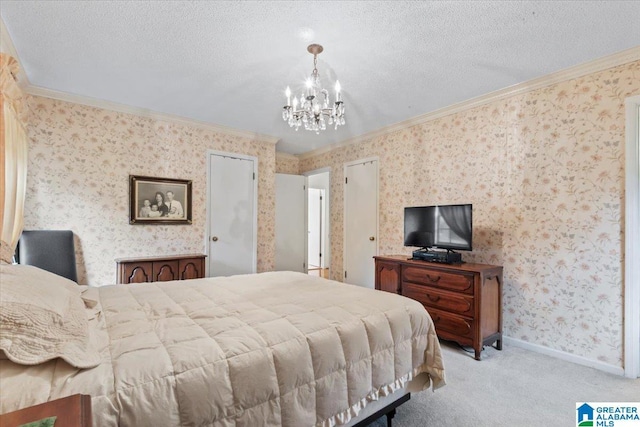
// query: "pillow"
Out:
[42,317]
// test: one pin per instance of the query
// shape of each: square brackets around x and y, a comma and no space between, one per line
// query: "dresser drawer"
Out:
[165,271]
[451,325]
[440,279]
[444,300]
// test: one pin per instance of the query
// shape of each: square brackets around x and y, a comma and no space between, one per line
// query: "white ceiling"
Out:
[228,63]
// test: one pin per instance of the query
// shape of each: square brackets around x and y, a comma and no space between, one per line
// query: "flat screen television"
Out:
[445,227]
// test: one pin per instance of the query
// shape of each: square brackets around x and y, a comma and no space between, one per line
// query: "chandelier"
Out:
[312,108]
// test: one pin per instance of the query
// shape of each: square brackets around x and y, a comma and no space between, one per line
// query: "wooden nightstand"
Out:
[71,411]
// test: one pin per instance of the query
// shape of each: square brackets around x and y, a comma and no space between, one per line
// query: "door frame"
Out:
[327,195]
[632,240]
[207,235]
[344,203]
[321,230]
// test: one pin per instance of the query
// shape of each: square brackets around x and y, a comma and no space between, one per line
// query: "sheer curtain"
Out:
[13,148]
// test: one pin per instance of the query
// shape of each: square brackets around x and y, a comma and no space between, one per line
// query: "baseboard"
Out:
[563,355]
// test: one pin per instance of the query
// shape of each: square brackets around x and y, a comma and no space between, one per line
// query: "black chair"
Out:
[51,250]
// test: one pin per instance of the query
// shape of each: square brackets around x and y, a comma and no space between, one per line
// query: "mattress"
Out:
[277,348]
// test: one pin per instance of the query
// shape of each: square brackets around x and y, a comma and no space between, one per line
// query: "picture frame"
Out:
[154,200]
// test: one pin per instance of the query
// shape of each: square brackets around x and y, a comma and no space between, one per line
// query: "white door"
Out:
[632,239]
[637,285]
[361,221]
[315,228]
[231,216]
[291,222]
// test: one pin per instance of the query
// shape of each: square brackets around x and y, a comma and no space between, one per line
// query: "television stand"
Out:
[448,257]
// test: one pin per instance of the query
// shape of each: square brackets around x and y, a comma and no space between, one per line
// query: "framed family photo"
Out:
[159,200]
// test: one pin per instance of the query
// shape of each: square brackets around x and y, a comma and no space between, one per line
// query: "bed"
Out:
[277,348]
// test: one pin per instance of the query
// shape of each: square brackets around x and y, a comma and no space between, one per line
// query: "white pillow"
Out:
[42,317]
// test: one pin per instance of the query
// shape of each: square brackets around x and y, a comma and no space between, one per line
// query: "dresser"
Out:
[464,300]
[160,269]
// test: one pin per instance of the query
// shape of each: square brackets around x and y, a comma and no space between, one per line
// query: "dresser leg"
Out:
[499,344]
[478,353]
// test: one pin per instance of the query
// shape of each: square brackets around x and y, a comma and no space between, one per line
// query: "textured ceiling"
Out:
[228,63]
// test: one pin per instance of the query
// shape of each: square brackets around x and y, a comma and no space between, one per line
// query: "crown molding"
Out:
[580,70]
[284,155]
[143,112]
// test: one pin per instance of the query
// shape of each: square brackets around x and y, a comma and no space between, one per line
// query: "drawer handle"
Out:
[433,299]
[432,279]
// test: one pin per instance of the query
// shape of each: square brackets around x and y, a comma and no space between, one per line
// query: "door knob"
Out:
[372,238]
[214,239]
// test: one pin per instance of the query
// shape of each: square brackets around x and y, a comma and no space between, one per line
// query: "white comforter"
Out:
[268,349]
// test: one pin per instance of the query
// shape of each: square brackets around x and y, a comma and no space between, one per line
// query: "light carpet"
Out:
[513,387]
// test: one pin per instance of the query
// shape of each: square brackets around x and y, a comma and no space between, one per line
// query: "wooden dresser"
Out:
[464,300]
[160,269]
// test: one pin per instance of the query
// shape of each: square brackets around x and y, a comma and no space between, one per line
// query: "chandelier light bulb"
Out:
[314,108]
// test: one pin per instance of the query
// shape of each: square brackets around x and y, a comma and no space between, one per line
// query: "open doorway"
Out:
[319,247]
[316,226]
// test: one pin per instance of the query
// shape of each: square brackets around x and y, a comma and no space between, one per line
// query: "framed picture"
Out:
[159,200]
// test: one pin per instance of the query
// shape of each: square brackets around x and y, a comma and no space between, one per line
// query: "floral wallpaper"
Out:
[80,159]
[286,163]
[545,173]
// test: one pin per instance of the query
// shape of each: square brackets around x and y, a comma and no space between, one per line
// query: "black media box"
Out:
[438,256]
